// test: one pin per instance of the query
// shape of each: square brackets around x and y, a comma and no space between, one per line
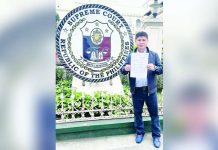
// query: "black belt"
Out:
[142,88]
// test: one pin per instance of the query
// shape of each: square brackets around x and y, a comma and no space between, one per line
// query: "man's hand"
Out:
[151,67]
[127,67]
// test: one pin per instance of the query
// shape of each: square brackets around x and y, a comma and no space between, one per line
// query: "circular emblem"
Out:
[93,42]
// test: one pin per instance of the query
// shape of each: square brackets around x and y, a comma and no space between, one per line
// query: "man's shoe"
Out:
[156,142]
[139,138]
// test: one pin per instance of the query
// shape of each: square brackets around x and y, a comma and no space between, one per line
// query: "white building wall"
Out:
[154,27]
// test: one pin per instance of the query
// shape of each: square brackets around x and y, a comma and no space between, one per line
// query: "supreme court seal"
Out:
[93,42]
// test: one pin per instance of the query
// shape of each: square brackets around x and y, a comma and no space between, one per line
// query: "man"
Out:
[144,90]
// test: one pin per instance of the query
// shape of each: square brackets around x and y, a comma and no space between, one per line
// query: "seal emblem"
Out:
[93,42]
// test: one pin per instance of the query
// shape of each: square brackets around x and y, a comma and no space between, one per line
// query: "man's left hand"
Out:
[151,67]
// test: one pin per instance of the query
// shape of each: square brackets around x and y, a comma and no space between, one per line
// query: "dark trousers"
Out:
[139,97]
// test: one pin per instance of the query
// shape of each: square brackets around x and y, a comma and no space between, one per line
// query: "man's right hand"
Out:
[127,67]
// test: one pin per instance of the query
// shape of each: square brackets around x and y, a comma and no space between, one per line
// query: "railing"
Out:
[101,105]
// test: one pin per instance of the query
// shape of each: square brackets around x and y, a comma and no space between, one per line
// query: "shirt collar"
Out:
[146,50]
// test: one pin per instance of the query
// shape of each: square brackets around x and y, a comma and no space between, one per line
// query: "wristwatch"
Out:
[155,68]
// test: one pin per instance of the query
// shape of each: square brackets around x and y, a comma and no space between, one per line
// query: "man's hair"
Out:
[142,33]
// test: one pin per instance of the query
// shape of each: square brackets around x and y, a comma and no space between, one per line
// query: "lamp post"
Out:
[154,7]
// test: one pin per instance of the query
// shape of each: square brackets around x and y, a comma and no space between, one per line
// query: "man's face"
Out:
[141,42]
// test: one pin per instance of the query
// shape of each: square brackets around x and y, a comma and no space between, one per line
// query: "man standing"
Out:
[145,90]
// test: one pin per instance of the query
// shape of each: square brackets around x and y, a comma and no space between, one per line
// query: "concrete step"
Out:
[99,128]
[118,142]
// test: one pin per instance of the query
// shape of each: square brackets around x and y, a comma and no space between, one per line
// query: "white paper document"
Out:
[139,62]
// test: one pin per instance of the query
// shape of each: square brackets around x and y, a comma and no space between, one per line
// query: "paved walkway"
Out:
[119,142]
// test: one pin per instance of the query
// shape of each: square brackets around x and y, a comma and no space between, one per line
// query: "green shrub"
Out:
[101,100]
[159,83]
[63,74]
